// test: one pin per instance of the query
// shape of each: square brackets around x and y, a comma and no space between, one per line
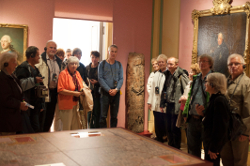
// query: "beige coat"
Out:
[87,103]
[155,99]
[241,98]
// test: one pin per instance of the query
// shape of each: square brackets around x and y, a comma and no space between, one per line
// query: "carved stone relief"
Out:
[135,93]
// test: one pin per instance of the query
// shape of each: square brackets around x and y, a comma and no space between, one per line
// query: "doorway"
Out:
[86,35]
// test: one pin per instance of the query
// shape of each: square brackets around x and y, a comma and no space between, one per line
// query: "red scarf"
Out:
[77,85]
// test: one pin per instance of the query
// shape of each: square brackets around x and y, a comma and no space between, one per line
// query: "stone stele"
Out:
[135,93]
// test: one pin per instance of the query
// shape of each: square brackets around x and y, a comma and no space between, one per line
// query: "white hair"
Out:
[163,56]
[221,35]
[6,57]
[218,81]
[50,41]
[73,59]
[234,56]
[8,38]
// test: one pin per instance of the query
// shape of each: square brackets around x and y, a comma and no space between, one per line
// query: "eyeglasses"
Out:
[235,64]
[202,61]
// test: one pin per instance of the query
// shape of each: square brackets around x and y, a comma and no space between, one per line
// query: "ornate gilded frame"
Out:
[25,35]
[221,7]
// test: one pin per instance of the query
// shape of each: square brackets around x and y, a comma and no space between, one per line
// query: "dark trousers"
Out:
[113,102]
[26,123]
[194,136]
[94,121]
[160,122]
[207,157]
[173,132]
[34,118]
[50,110]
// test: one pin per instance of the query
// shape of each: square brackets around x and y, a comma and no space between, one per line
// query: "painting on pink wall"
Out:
[221,36]
[221,33]
[13,38]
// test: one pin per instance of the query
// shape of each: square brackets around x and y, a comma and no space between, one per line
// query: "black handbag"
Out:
[236,125]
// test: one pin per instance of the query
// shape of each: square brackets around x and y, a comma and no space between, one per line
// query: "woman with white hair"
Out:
[11,103]
[69,86]
[216,117]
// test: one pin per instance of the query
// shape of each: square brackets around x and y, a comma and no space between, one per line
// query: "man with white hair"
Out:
[5,43]
[236,152]
[49,66]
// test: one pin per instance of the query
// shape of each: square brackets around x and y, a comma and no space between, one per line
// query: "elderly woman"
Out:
[149,84]
[69,86]
[151,76]
[155,98]
[216,117]
[11,103]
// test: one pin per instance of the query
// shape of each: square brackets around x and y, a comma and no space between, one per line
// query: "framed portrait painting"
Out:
[220,32]
[13,38]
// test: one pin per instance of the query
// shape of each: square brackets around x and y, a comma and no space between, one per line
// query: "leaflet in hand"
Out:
[30,106]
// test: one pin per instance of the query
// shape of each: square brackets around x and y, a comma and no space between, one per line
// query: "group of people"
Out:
[199,102]
[50,87]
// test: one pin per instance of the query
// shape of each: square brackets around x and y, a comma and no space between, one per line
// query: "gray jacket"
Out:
[241,98]
[174,88]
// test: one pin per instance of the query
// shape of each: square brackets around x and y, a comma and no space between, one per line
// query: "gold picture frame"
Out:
[19,36]
[221,9]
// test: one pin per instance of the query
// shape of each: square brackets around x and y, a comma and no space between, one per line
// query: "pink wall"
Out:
[132,27]
[38,15]
[85,9]
[132,33]
[186,27]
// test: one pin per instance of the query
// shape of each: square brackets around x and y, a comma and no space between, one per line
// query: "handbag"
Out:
[236,125]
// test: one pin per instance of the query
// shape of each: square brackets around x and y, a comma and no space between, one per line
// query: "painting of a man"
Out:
[221,36]
[6,43]
[13,38]
[220,55]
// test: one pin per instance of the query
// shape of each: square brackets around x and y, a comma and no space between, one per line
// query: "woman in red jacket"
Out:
[69,86]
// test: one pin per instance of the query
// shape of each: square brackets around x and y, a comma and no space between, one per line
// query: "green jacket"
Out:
[188,102]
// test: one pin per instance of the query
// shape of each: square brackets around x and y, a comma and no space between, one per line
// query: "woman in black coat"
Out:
[11,103]
[216,117]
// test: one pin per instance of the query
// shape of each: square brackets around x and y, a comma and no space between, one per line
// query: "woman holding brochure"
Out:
[11,100]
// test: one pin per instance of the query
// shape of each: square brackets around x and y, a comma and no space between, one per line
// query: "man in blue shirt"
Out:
[111,79]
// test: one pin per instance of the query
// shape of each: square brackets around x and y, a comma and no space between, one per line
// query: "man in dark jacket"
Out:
[175,83]
[30,78]
[82,69]
[92,73]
